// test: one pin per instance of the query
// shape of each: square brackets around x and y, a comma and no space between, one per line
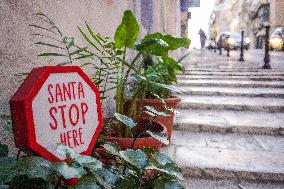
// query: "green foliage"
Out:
[3,150]
[125,120]
[129,169]
[127,32]
[112,70]
[159,136]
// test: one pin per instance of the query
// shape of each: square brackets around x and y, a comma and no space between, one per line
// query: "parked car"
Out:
[276,40]
[232,41]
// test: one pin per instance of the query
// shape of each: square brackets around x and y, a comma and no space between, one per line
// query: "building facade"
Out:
[238,15]
[18,54]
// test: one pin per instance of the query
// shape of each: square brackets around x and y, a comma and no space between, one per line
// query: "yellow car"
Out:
[276,41]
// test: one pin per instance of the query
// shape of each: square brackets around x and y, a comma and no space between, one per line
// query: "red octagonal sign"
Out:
[54,105]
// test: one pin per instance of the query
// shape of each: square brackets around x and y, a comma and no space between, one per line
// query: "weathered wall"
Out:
[277,16]
[19,54]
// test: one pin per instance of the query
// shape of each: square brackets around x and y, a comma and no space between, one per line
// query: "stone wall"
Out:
[18,53]
[277,16]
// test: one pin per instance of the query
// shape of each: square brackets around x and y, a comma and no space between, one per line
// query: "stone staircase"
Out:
[230,124]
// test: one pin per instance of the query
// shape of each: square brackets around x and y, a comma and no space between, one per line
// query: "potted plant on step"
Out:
[113,66]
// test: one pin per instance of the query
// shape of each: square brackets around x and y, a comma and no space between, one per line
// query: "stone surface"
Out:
[230,121]
[230,77]
[231,83]
[233,103]
[196,183]
[233,91]
[229,155]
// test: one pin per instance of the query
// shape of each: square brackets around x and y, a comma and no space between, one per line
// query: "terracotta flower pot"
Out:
[144,141]
[168,120]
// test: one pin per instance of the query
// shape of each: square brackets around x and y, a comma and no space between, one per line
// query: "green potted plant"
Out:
[114,67]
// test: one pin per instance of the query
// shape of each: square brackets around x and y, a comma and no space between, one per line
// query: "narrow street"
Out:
[230,123]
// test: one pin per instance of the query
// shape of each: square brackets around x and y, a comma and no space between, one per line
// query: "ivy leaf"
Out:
[171,169]
[3,150]
[112,148]
[135,157]
[159,136]
[127,32]
[87,182]
[125,184]
[32,166]
[162,158]
[173,42]
[69,171]
[106,178]
[87,161]
[65,151]
[7,163]
[126,120]
[155,112]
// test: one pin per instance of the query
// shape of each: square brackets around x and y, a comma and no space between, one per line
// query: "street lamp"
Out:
[242,47]
[266,56]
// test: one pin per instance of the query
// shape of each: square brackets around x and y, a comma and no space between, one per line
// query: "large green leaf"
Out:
[127,32]
[126,120]
[7,164]
[65,151]
[106,177]
[170,169]
[162,158]
[156,47]
[159,136]
[112,148]
[126,184]
[3,150]
[69,171]
[87,182]
[135,157]
[173,42]
[32,166]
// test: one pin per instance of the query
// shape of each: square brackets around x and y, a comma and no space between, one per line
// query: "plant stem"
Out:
[132,65]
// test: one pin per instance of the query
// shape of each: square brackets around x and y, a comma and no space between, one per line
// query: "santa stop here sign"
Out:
[56,105]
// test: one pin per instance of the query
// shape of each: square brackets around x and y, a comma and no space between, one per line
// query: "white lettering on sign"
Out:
[65,111]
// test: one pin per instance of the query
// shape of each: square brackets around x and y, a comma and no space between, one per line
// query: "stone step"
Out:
[232,103]
[233,91]
[246,69]
[231,83]
[229,77]
[205,183]
[229,122]
[235,73]
[232,156]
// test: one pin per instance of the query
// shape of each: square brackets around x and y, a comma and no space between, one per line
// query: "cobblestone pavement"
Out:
[229,127]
